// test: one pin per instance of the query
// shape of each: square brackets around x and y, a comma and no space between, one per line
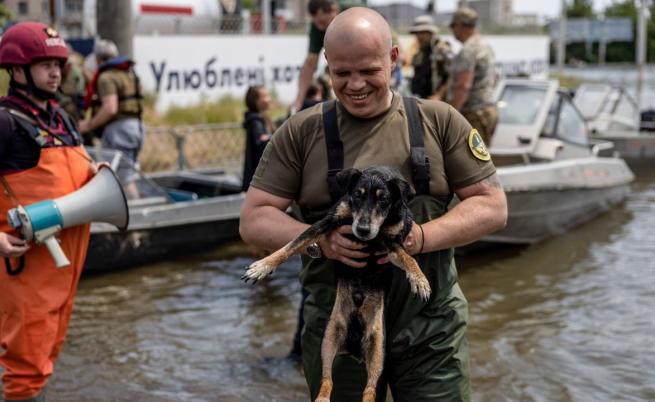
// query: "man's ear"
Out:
[347,178]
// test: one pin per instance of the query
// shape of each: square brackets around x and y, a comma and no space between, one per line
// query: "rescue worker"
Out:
[473,75]
[368,124]
[431,62]
[321,13]
[40,158]
[114,96]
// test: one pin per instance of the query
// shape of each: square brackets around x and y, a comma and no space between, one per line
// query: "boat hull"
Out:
[164,231]
[548,199]
[637,149]
[535,216]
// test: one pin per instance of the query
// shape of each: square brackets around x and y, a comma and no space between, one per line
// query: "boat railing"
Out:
[597,146]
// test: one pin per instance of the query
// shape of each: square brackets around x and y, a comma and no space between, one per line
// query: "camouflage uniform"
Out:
[431,68]
[479,108]
[478,57]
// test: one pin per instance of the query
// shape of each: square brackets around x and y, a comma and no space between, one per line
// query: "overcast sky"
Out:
[549,8]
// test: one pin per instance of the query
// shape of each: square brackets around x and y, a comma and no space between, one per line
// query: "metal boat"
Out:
[177,213]
[549,166]
[613,115]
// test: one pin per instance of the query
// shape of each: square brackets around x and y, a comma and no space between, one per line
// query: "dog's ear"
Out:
[347,178]
[402,189]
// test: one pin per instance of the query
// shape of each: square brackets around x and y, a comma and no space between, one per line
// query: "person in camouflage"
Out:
[432,61]
[473,75]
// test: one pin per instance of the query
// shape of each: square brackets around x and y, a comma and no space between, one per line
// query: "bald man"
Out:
[426,347]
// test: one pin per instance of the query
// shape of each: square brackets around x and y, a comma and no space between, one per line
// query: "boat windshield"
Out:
[520,105]
[590,100]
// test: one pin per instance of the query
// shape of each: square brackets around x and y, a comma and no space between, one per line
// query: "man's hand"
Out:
[412,243]
[336,246]
[11,246]
[95,166]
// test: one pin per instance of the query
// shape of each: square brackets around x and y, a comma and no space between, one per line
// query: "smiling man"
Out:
[428,142]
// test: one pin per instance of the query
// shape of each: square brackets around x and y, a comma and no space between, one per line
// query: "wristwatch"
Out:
[314,251]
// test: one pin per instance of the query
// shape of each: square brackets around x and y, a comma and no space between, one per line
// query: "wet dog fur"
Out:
[374,203]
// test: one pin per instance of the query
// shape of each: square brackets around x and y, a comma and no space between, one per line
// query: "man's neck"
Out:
[468,36]
[43,104]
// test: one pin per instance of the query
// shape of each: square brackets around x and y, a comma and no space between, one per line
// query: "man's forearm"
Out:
[460,95]
[470,220]
[103,117]
[269,228]
[305,78]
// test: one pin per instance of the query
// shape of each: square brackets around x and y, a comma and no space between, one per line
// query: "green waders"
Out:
[426,347]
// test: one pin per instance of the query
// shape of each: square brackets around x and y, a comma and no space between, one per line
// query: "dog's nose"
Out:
[363,231]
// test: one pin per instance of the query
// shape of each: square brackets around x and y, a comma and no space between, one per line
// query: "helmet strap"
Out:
[31,87]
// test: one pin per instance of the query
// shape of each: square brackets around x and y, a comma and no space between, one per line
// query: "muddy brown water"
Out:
[571,319]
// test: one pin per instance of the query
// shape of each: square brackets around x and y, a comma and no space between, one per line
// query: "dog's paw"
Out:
[322,399]
[420,286]
[258,270]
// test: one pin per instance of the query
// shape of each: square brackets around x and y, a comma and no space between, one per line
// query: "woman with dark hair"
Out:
[259,128]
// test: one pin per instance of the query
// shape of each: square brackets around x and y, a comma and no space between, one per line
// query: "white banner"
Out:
[184,70]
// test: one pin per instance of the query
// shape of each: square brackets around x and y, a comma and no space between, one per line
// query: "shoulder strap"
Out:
[28,124]
[334,147]
[419,160]
[69,125]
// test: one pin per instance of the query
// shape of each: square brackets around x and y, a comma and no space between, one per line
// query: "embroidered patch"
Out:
[51,32]
[476,144]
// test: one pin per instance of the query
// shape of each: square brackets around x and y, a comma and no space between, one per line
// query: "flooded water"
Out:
[570,319]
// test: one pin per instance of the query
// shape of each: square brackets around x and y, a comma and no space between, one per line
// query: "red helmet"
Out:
[27,42]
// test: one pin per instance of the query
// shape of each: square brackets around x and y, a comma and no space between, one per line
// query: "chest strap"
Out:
[334,147]
[32,128]
[418,158]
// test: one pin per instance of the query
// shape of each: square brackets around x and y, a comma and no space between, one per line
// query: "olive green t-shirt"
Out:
[294,164]
[123,84]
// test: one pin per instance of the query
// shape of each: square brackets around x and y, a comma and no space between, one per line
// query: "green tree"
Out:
[580,9]
[622,51]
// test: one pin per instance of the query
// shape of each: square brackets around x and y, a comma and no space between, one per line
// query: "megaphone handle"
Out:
[56,252]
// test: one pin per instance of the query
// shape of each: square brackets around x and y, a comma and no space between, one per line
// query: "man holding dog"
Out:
[426,346]
[41,157]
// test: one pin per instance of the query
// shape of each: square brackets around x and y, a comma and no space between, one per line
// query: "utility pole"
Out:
[266,17]
[114,22]
[561,41]
[641,49]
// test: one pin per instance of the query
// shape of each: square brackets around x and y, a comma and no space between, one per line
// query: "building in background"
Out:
[492,12]
[400,15]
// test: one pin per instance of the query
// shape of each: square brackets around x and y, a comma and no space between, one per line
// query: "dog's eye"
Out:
[384,199]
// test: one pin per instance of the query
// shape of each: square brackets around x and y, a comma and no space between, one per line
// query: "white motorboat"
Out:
[550,168]
[613,115]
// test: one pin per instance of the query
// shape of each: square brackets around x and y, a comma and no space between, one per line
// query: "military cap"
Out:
[464,16]
[424,23]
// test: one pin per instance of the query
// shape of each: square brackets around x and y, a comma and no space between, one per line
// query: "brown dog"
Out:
[375,205]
